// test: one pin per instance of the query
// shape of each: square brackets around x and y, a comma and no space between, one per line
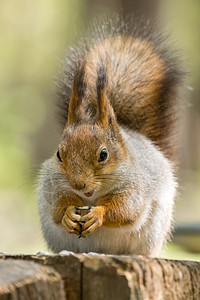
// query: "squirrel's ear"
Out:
[78,91]
[105,113]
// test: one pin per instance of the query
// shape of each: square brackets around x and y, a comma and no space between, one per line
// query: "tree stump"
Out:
[97,277]
[26,280]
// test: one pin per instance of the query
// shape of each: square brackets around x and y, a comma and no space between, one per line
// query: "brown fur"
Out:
[123,80]
[141,81]
[120,77]
[84,138]
[62,203]
[115,211]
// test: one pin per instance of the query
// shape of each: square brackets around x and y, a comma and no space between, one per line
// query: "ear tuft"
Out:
[78,92]
[101,80]
[79,85]
[105,114]
[102,103]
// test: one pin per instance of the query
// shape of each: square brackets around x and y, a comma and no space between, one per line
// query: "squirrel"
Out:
[116,157]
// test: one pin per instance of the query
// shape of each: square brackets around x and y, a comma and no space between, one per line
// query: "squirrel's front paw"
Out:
[71,220]
[92,221]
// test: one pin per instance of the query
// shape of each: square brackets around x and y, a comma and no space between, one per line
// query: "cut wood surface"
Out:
[79,276]
[25,280]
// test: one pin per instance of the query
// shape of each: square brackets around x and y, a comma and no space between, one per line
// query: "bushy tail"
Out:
[143,77]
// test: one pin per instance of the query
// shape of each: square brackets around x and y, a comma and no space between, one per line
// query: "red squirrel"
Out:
[118,100]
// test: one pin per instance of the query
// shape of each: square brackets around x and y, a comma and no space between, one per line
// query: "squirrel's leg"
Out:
[111,211]
[64,212]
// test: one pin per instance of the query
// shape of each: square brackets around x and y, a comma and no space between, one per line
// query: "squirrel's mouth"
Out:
[89,194]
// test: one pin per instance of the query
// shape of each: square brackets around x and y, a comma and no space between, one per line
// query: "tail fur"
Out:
[142,77]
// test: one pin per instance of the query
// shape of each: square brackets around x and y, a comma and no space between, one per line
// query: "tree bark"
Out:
[89,277]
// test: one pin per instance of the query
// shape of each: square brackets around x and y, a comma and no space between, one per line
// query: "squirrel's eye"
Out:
[58,156]
[103,155]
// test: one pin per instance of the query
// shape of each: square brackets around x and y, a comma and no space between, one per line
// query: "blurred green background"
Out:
[34,36]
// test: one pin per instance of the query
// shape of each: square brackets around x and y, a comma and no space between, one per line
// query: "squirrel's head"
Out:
[91,148]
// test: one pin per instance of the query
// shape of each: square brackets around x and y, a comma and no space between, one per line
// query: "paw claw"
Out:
[82,226]
[70,221]
[92,221]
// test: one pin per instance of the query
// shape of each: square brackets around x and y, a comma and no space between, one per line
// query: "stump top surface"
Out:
[16,270]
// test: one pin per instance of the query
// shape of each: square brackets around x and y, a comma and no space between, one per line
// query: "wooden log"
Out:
[26,280]
[131,278]
[91,277]
[69,267]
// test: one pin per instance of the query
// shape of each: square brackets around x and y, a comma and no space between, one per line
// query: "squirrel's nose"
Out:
[78,185]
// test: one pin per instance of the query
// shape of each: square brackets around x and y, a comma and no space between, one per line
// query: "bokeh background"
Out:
[34,36]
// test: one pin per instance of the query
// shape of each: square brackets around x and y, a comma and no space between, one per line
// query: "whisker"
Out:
[113,180]
[102,183]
